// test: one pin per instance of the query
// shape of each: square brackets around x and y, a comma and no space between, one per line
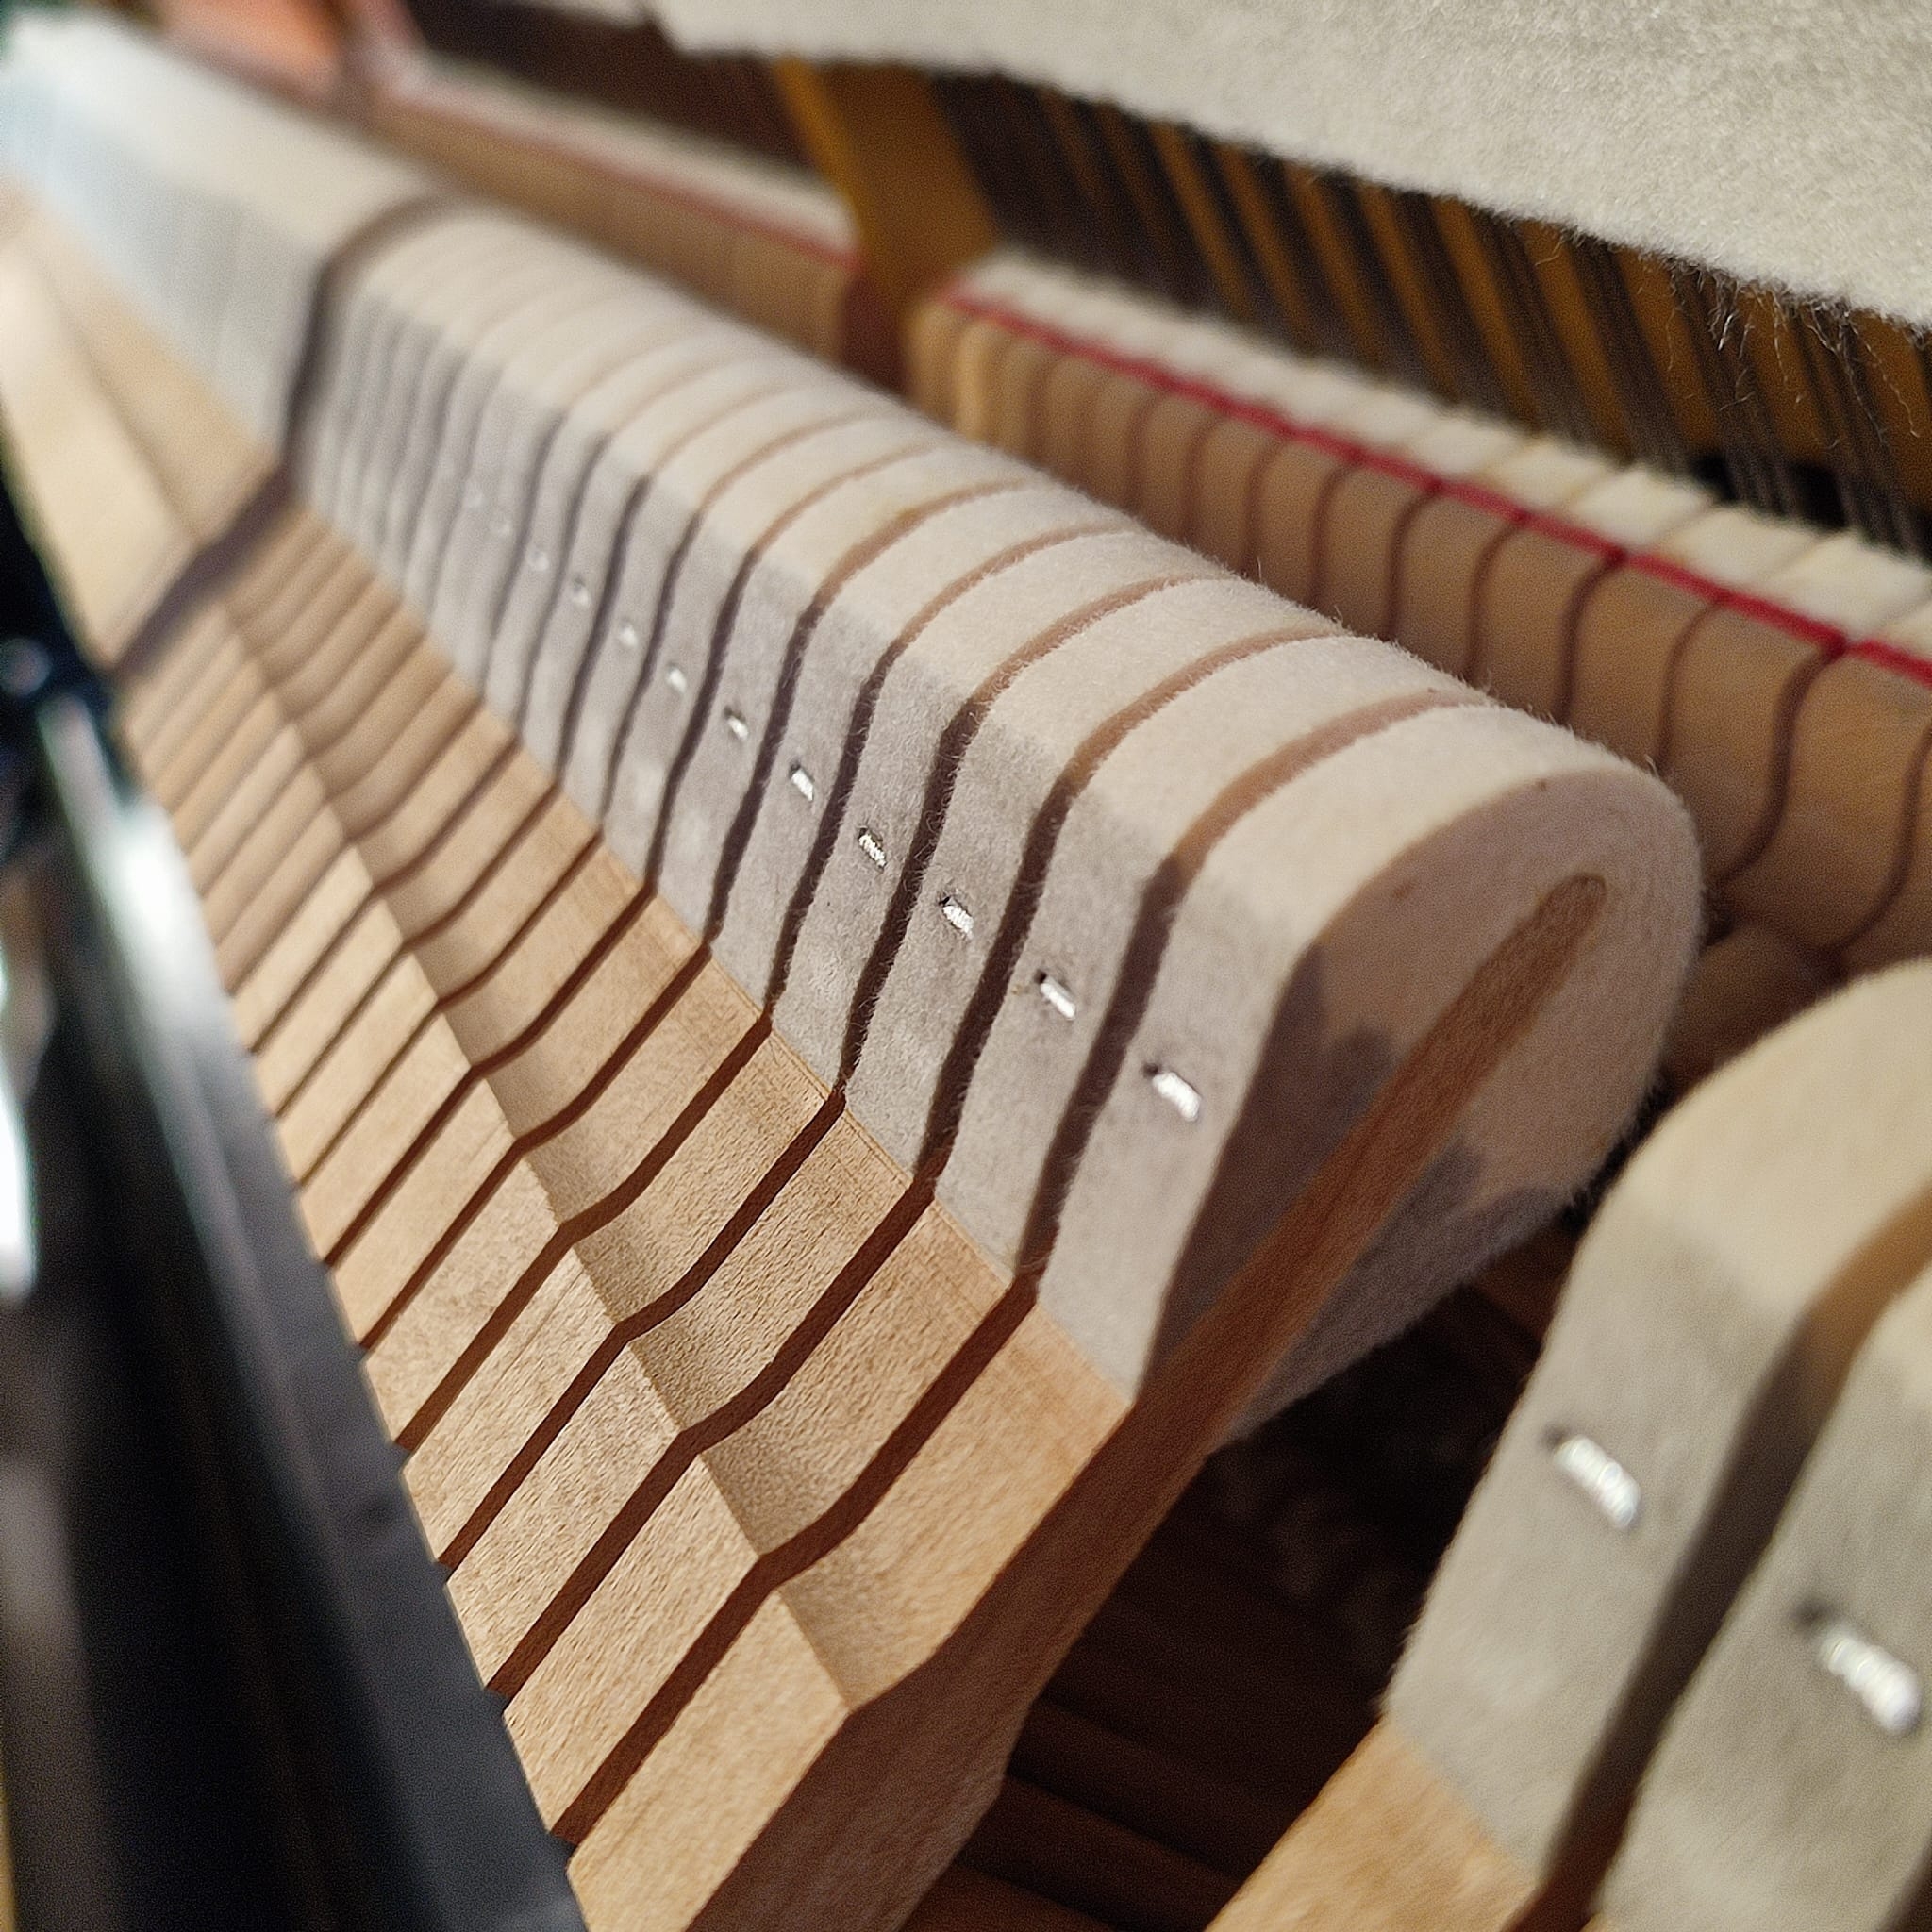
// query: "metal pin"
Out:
[956,916]
[1887,1689]
[734,723]
[871,848]
[1601,1477]
[627,635]
[1182,1095]
[1055,995]
[675,677]
[802,784]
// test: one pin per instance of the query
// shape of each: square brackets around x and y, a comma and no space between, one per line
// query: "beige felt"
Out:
[1461,443]
[1581,129]
[409,382]
[1532,591]
[374,357]
[205,163]
[962,657]
[1713,1309]
[535,389]
[556,500]
[1128,1293]
[1449,548]
[799,562]
[353,370]
[531,386]
[869,621]
[1902,928]
[1858,744]
[367,389]
[703,384]
[706,587]
[682,203]
[842,1510]
[1232,458]
[1012,782]
[1021,373]
[1736,683]
[1859,586]
[1552,625]
[477,344]
[1628,636]
[1292,516]
[668,579]
[639,501]
[1253,723]
[1775,1799]
[1365,517]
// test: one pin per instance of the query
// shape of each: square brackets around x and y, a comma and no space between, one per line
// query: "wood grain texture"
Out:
[1388,1845]
[1628,606]
[771,1497]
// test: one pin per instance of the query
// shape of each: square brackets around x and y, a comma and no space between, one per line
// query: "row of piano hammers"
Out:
[1780,677]
[840,1014]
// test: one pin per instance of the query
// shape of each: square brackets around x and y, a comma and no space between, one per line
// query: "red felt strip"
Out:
[1827,637]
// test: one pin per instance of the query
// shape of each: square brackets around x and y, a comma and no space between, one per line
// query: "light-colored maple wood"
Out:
[1450,546]
[1659,663]
[1628,634]
[772,1498]
[111,539]
[1743,985]
[1387,1845]
[1032,1385]
[877,134]
[206,464]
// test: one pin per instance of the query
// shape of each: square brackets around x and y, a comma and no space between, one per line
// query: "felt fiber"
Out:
[1787,142]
